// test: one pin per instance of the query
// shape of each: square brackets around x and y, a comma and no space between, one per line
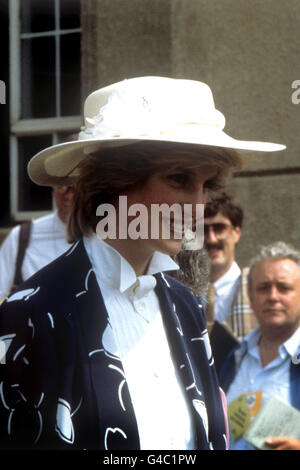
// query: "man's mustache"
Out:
[214,246]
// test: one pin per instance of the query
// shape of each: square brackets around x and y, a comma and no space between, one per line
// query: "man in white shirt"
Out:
[47,241]
[223,219]
[267,362]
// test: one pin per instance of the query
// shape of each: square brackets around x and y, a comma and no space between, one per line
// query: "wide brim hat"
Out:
[140,109]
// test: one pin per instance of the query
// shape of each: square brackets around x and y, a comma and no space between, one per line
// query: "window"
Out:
[44,91]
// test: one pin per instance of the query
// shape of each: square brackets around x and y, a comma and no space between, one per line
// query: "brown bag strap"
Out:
[24,236]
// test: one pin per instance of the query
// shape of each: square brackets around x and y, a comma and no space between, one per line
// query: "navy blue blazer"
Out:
[60,388]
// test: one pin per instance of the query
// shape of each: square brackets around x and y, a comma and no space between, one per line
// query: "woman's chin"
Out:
[170,247]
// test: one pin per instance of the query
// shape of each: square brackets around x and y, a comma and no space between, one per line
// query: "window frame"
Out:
[37,126]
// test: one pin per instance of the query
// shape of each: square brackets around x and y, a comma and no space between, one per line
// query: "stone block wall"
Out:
[248,52]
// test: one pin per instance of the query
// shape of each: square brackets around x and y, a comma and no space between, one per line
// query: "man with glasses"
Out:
[227,300]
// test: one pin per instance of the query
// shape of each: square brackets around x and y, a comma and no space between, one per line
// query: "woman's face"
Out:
[171,186]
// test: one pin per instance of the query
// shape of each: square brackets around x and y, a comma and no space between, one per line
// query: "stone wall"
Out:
[123,39]
[248,52]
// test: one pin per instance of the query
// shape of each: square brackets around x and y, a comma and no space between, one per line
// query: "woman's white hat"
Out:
[141,109]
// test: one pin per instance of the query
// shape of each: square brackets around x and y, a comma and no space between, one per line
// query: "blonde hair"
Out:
[275,251]
[104,175]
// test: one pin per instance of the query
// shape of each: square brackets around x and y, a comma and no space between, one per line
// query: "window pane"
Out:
[37,16]
[31,196]
[70,74]
[38,77]
[69,14]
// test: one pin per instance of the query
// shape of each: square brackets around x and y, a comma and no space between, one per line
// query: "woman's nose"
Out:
[197,195]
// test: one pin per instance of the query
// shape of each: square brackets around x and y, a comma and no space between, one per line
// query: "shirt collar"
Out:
[228,278]
[115,272]
[290,346]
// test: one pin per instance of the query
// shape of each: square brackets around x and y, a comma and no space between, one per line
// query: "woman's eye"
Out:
[180,178]
[209,184]
[212,185]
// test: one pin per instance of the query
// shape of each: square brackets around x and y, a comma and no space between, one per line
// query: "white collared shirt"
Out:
[225,288]
[139,339]
[274,379]
[47,241]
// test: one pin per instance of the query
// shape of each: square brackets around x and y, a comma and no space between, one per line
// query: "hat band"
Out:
[101,131]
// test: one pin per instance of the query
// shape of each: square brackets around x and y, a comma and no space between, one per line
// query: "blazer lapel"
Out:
[191,351]
[117,423]
[180,343]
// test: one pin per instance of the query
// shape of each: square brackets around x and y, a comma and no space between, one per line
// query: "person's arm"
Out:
[8,256]
[283,443]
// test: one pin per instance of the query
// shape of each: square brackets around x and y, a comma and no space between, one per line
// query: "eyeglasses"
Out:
[220,229]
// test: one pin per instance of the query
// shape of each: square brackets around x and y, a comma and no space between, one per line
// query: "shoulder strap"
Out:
[24,236]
